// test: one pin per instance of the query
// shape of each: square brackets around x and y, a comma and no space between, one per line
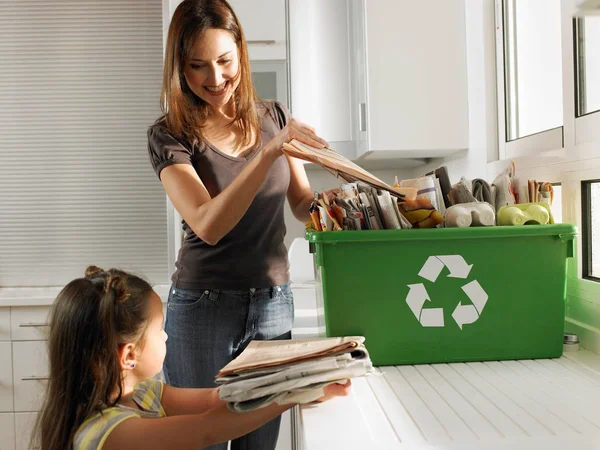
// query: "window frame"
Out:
[587,126]
[551,139]
[586,230]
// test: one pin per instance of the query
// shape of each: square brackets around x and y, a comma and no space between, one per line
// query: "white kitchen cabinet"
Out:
[380,79]
[416,78]
[6,377]
[30,374]
[264,25]
[320,71]
[24,424]
[29,323]
[7,431]
[4,324]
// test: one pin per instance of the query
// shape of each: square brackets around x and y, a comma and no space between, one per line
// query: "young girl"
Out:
[106,343]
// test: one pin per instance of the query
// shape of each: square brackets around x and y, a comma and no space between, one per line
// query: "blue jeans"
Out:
[208,328]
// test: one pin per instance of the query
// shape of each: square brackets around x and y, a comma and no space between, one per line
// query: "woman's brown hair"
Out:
[184,112]
[91,319]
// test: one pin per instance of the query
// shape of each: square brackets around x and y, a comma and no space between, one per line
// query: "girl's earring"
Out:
[133,366]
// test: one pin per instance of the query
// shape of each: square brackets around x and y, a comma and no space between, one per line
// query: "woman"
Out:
[218,153]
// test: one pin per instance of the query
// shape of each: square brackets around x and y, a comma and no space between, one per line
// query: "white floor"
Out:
[528,404]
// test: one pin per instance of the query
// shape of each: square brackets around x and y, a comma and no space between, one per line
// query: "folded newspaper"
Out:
[291,371]
[341,167]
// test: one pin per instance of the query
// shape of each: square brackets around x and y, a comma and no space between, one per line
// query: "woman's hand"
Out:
[294,130]
[335,390]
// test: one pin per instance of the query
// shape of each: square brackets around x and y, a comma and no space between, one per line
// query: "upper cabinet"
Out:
[389,77]
[264,25]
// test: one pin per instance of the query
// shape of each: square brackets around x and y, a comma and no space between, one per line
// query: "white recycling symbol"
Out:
[434,317]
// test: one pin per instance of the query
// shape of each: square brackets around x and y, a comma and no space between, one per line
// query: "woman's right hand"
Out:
[294,130]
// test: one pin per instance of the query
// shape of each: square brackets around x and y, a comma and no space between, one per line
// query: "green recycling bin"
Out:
[446,295]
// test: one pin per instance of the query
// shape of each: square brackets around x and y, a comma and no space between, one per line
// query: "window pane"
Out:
[595,228]
[533,66]
[588,67]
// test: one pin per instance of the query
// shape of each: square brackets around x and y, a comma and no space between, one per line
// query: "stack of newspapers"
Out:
[291,371]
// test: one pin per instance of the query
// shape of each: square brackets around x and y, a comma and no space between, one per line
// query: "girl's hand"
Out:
[294,130]
[335,390]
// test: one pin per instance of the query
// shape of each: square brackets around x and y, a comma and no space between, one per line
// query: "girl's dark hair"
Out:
[184,112]
[91,319]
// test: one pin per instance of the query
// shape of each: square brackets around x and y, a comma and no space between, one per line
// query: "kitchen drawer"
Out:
[24,423]
[6,378]
[7,432]
[29,323]
[30,374]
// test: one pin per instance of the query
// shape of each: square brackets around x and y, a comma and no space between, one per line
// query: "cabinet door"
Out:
[24,423]
[6,378]
[264,27]
[417,77]
[29,323]
[7,431]
[4,324]
[321,70]
[30,374]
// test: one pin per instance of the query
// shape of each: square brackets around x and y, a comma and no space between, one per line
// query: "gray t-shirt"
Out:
[252,254]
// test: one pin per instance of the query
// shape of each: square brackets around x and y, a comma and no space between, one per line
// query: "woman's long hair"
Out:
[91,319]
[184,112]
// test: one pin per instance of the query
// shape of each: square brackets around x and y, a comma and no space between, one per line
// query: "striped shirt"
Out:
[92,433]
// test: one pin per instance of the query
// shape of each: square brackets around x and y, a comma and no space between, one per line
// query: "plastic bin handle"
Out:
[569,239]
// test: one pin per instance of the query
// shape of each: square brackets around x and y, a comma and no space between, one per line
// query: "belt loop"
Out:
[272,292]
[214,295]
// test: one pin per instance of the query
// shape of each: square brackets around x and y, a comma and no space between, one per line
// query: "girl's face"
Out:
[211,72]
[154,349]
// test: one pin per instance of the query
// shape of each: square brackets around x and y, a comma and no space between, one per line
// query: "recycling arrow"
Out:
[462,314]
[434,265]
[416,298]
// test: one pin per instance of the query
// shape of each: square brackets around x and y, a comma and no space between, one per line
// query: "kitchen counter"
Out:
[528,404]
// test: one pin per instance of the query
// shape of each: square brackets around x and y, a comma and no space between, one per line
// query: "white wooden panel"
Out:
[29,323]
[429,425]
[399,417]
[501,421]
[7,432]
[524,399]
[517,405]
[452,423]
[580,416]
[24,423]
[507,404]
[4,324]
[30,367]
[6,378]
[477,423]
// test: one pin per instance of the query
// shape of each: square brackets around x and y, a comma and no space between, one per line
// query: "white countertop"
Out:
[529,404]
[44,296]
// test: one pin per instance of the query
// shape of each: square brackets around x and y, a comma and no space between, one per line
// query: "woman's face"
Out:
[212,69]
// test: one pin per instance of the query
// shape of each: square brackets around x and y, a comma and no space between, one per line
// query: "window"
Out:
[587,60]
[529,53]
[80,83]
[590,196]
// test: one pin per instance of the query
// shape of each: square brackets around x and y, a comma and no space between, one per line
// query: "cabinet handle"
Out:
[362,116]
[33,325]
[261,42]
[34,378]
